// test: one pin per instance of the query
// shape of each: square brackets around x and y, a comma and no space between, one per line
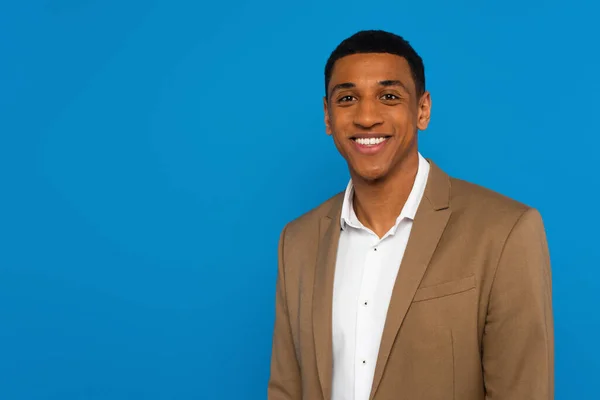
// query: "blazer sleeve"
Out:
[284,382]
[518,340]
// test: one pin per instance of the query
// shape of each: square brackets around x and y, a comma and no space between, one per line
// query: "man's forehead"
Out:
[370,68]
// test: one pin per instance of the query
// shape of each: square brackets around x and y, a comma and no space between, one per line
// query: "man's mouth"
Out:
[370,144]
[371,140]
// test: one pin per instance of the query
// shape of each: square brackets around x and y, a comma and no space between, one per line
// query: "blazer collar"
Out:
[437,192]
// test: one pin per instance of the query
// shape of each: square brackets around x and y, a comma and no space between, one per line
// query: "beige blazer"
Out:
[470,316]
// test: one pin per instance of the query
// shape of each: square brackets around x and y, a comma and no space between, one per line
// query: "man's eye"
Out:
[345,99]
[390,96]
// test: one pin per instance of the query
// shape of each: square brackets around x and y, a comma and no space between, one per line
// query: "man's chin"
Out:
[372,175]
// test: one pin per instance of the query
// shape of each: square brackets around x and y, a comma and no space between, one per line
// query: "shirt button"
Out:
[364,362]
[366,303]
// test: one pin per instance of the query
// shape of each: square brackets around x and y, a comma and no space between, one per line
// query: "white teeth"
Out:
[370,141]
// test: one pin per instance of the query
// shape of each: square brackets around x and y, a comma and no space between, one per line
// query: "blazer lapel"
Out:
[329,233]
[429,223]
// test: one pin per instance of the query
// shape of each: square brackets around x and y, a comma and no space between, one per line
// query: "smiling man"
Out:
[410,284]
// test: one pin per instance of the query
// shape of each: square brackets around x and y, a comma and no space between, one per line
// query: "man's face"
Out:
[373,113]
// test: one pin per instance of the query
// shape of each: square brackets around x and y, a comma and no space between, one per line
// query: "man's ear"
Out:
[328,129]
[424,111]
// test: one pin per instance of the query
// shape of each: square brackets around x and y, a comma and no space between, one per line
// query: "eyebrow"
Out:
[386,83]
[345,85]
[393,83]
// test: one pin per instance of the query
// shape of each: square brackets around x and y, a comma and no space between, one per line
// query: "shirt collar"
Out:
[409,210]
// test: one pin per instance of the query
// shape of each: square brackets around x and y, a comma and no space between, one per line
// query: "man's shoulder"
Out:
[485,204]
[309,220]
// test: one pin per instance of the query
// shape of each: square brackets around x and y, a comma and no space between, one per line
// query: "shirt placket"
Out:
[364,359]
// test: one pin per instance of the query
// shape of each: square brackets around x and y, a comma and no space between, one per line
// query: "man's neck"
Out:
[378,204]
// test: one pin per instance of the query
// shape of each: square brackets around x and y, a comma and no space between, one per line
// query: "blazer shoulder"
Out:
[483,203]
[310,219]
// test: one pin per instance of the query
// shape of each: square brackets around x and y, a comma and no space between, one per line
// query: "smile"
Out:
[374,141]
[370,145]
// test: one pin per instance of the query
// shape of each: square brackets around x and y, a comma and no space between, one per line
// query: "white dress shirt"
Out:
[365,273]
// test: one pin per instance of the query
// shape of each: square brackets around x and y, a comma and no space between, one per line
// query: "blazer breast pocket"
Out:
[445,289]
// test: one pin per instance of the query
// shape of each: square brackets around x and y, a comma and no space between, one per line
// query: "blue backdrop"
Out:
[151,152]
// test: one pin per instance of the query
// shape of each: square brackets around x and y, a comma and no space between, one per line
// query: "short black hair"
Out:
[378,41]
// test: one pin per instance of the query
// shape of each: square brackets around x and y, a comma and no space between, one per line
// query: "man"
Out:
[410,284]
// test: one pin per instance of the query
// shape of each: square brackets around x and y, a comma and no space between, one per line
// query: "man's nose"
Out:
[367,114]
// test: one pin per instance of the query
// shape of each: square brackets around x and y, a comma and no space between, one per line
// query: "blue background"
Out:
[151,152]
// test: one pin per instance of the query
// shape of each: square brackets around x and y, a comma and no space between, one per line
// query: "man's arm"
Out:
[518,341]
[284,382]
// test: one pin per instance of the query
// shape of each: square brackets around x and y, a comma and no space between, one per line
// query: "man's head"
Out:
[375,102]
